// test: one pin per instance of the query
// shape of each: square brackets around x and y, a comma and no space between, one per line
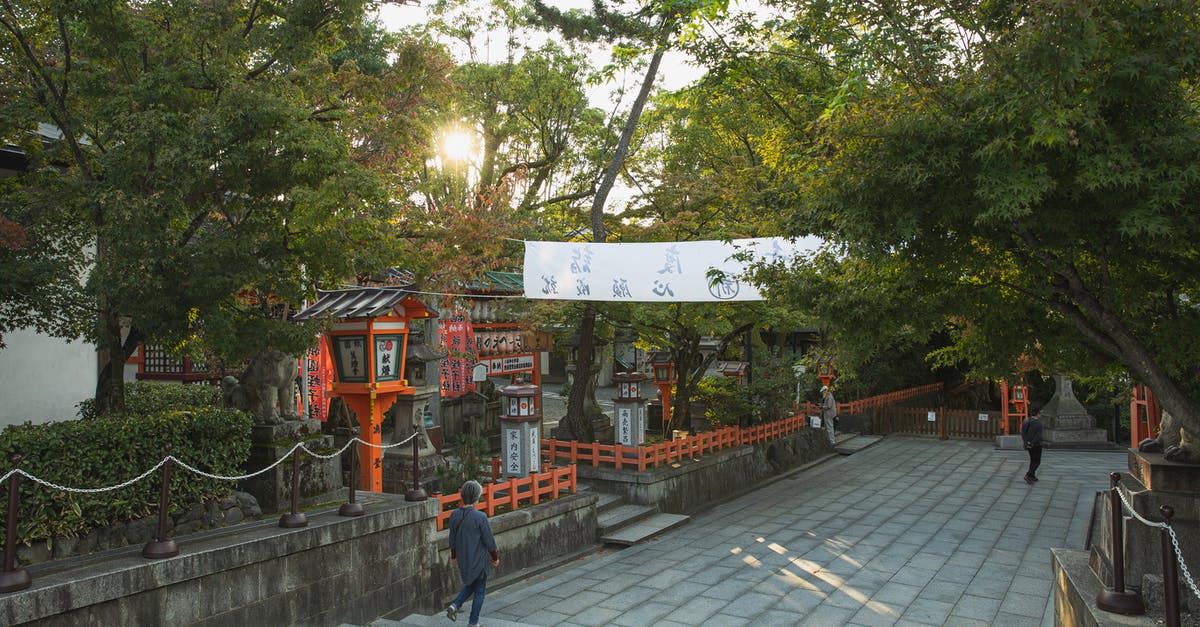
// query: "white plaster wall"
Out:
[43,378]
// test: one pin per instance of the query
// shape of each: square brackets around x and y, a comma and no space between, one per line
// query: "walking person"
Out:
[1031,435]
[829,412]
[473,549]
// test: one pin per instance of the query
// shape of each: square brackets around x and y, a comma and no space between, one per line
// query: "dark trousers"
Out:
[1035,460]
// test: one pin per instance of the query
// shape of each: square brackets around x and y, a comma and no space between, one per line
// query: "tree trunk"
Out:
[582,390]
[576,421]
[1108,333]
[110,382]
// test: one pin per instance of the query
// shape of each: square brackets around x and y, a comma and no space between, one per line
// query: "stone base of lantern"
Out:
[320,479]
[398,472]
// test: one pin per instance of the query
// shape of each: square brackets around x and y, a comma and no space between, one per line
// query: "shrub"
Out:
[149,397]
[726,401]
[103,452]
[474,462]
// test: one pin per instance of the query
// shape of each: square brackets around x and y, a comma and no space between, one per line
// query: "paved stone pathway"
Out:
[907,532]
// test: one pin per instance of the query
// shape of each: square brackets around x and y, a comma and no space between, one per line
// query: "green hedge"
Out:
[102,452]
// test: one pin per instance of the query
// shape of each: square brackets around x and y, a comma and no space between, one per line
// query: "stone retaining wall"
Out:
[335,570]
[228,510]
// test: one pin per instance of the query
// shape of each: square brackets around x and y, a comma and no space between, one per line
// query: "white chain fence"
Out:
[1187,575]
[193,469]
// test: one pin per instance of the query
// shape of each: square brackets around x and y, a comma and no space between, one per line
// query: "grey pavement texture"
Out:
[907,532]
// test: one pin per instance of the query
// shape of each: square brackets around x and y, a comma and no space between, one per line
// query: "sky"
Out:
[676,70]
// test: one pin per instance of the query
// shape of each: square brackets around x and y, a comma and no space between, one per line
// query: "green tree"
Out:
[203,153]
[633,28]
[1026,174]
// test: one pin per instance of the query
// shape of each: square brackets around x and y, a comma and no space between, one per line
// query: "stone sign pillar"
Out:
[1066,420]
[630,408]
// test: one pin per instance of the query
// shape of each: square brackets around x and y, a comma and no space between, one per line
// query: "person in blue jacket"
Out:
[1031,435]
[473,549]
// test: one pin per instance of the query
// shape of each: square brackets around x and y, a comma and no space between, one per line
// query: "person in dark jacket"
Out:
[473,549]
[1031,435]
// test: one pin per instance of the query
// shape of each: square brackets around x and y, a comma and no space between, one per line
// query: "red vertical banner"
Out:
[318,377]
[457,338]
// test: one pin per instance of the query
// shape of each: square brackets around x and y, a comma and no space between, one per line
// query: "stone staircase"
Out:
[625,524]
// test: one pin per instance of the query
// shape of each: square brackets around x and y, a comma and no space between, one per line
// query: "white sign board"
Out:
[650,271]
[931,416]
[508,365]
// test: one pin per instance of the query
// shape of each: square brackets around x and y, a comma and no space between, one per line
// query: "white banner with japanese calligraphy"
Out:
[649,272]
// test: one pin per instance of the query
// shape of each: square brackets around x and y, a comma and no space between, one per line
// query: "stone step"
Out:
[644,529]
[855,444]
[622,515]
[608,502]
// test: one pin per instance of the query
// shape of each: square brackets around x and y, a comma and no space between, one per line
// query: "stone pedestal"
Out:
[1150,483]
[320,479]
[1066,420]
[408,415]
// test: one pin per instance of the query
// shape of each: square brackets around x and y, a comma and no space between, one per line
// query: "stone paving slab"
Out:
[910,531]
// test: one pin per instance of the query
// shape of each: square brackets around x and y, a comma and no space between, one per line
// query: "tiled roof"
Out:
[359,302]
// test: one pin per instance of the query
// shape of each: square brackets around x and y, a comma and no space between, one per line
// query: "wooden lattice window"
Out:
[159,361]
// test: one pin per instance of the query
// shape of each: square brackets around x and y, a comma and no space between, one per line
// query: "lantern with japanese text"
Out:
[368,340]
[630,408]
[664,378]
[520,428]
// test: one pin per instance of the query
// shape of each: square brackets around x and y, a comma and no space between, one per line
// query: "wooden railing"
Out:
[654,455]
[946,423]
[532,489]
[876,402]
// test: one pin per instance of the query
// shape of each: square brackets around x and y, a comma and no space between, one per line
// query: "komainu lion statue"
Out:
[269,378]
[1175,441]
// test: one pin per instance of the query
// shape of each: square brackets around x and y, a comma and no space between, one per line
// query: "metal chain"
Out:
[1174,541]
[186,466]
[193,469]
[1182,566]
[55,486]
[331,455]
[392,445]
[1149,523]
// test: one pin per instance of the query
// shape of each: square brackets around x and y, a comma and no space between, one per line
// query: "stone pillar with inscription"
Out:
[630,409]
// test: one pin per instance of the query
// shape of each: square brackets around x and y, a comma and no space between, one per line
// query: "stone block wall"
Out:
[334,570]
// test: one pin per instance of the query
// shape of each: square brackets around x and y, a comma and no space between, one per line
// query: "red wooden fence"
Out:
[653,455]
[876,402]
[532,489]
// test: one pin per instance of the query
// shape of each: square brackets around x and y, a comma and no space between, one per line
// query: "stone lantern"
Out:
[520,428]
[630,409]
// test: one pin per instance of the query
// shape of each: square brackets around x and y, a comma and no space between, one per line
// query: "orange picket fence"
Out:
[532,490]
[876,402]
[653,455]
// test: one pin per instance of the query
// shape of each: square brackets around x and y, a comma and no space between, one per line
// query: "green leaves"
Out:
[109,451]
